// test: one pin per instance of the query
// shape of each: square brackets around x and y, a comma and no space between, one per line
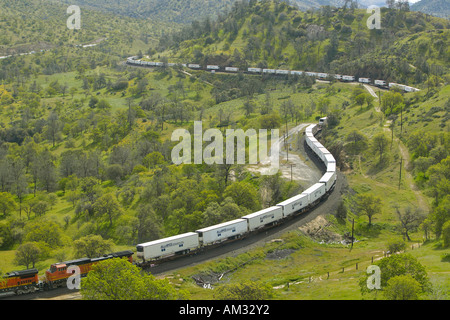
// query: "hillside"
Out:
[85,139]
[438,8]
[278,36]
[45,27]
[160,10]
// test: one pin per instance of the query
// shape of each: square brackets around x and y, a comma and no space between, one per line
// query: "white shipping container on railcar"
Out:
[331,167]
[328,179]
[296,73]
[194,66]
[322,75]
[348,78]
[380,82]
[222,231]
[255,70]
[285,72]
[310,129]
[294,204]
[310,142]
[209,67]
[168,246]
[364,80]
[231,69]
[315,192]
[264,217]
[329,159]
[321,153]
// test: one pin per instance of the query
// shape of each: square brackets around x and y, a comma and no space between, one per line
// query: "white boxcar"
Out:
[311,74]
[168,246]
[209,67]
[331,167]
[338,76]
[310,129]
[194,66]
[264,217]
[310,142]
[322,75]
[222,231]
[380,83]
[328,179]
[315,192]
[296,73]
[285,72]
[348,78]
[329,159]
[255,70]
[270,71]
[294,204]
[231,69]
[364,80]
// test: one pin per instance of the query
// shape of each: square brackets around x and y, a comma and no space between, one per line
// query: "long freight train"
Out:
[27,281]
[193,242]
[318,75]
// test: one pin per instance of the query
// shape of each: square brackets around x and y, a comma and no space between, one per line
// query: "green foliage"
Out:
[247,290]
[117,279]
[27,253]
[403,287]
[92,246]
[369,205]
[399,265]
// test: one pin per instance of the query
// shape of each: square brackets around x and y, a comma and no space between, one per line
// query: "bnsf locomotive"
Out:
[27,281]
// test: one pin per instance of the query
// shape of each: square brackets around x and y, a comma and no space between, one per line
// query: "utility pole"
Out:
[353,229]
[292,165]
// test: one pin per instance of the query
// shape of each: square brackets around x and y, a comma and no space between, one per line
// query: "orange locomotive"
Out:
[20,282]
[57,275]
[27,281]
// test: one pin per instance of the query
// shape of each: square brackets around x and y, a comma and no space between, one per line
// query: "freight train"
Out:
[276,72]
[158,251]
[150,253]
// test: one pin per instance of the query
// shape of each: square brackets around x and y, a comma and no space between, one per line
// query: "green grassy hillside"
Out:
[276,35]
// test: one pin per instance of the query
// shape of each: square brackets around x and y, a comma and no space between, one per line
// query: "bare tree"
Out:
[409,220]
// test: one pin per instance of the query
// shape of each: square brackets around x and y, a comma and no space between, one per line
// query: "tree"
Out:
[379,144]
[7,203]
[403,287]
[118,279]
[358,139]
[247,290]
[399,265]
[107,205]
[446,234]
[46,231]
[369,205]
[244,194]
[53,127]
[92,246]
[409,220]
[27,253]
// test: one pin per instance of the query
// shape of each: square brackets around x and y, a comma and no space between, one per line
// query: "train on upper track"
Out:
[276,72]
